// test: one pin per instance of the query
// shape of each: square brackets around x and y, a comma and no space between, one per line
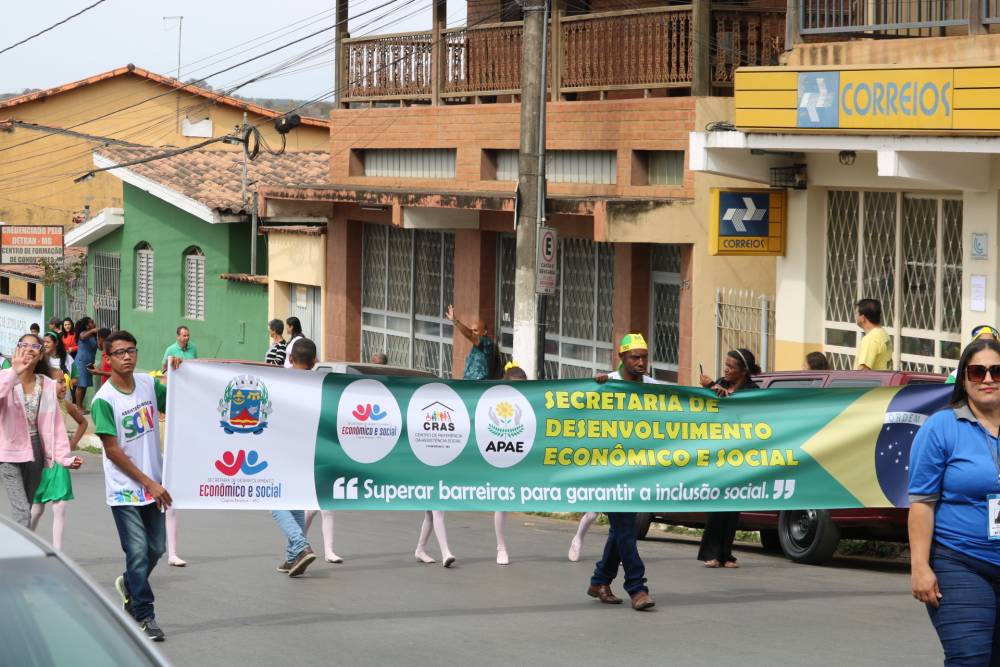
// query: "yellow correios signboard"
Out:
[946,99]
[747,221]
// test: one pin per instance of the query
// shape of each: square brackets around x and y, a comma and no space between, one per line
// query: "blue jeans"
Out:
[142,531]
[293,524]
[621,549]
[966,620]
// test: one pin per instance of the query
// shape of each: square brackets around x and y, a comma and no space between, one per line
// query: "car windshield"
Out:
[51,618]
[855,382]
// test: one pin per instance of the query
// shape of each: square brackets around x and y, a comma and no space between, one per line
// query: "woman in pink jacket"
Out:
[32,432]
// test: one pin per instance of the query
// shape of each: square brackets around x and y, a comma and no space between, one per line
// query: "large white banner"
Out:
[241,436]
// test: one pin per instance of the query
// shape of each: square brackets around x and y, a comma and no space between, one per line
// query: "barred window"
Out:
[144,277]
[904,249]
[194,284]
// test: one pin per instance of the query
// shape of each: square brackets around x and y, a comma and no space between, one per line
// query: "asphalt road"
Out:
[229,606]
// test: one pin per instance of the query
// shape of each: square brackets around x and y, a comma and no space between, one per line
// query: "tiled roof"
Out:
[214,178]
[307,230]
[244,278]
[164,81]
[35,271]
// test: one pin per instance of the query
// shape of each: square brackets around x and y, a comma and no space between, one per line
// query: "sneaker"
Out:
[284,567]
[301,562]
[152,629]
[123,591]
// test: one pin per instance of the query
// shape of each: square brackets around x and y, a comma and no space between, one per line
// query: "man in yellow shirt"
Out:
[875,349]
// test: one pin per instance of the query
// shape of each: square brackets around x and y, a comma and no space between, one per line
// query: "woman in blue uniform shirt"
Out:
[954,502]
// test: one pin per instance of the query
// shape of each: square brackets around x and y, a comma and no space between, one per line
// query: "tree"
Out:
[63,275]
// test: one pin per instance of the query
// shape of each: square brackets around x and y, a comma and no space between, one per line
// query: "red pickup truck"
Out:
[811,536]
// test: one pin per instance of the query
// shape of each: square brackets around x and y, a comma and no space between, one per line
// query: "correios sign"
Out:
[947,99]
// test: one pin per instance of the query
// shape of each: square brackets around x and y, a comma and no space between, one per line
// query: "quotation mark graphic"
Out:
[783,489]
[344,489]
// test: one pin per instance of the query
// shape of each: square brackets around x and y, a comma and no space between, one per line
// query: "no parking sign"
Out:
[546,271]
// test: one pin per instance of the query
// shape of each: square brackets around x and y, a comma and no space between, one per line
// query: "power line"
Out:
[51,27]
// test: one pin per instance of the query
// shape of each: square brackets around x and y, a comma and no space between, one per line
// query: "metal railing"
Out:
[990,11]
[899,17]
[650,48]
[744,320]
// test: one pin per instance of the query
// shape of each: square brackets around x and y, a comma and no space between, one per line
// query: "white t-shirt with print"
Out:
[135,420]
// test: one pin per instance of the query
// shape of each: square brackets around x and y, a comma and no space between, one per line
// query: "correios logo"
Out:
[245,406]
[344,489]
[248,463]
[505,426]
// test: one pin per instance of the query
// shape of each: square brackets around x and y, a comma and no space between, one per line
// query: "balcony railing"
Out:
[635,49]
[896,18]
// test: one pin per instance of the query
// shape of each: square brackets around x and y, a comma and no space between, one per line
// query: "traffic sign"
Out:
[546,268]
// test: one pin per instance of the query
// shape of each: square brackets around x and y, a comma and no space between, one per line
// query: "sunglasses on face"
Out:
[29,346]
[977,372]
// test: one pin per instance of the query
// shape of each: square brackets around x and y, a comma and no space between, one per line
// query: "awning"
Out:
[96,228]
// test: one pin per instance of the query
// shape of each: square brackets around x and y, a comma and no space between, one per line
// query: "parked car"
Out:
[54,615]
[355,368]
[808,535]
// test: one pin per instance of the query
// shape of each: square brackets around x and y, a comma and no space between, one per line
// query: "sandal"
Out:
[731,564]
[712,563]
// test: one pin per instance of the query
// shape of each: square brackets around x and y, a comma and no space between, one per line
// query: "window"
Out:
[33,291]
[144,277]
[194,284]
[658,168]
[409,163]
[407,283]
[796,383]
[904,249]
[597,167]
[4,285]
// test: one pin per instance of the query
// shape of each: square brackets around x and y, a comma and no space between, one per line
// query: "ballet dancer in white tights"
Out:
[434,521]
[581,531]
[511,373]
[327,524]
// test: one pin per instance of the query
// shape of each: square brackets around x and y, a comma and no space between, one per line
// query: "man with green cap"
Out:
[621,547]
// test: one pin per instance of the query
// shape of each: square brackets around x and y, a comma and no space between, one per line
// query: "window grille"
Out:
[407,284]
[107,281]
[578,316]
[904,249]
[410,163]
[194,284]
[597,167]
[665,312]
[144,277]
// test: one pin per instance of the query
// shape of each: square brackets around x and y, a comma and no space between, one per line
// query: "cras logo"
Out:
[248,463]
[438,424]
[368,411]
[245,406]
[505,426]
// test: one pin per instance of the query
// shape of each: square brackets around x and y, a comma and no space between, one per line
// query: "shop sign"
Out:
[26,244]
[747,222]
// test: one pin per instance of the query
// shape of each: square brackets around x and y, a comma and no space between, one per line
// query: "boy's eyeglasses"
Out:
[121,353]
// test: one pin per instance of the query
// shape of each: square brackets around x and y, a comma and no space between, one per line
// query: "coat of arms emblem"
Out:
[245,406]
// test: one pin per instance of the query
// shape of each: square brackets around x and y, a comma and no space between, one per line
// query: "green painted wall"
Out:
[235,324]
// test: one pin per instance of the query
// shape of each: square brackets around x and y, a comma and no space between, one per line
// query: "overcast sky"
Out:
[118,32]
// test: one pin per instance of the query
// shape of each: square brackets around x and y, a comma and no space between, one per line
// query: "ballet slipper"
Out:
[423,556]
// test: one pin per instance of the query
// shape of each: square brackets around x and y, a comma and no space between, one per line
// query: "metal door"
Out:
[665,312]
[107,283]
[304,304]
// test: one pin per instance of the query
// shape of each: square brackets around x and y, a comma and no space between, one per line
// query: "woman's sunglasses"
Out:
[977,372]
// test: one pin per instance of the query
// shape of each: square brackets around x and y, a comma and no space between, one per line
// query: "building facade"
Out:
[423,171]
[897,142]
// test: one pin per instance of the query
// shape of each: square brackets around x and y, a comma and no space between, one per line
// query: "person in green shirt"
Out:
[182,349]
[984,332]
[875,350]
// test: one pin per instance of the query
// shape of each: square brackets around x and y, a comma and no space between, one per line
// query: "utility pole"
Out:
[530,186]
[180,26]
[253,198]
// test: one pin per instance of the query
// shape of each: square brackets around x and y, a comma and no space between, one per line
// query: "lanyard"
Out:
[994,447]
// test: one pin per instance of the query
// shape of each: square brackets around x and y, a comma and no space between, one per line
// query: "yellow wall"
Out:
[688,223]
[298,259]
[36,179]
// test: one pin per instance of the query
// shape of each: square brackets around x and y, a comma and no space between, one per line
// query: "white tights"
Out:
[58,520]
[585,522]
[172,536]
[433,521]
[327,524]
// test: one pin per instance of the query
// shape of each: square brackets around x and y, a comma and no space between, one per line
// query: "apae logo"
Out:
[249,463]
[344,489]
[505,426]
[245,406]
[437,424]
